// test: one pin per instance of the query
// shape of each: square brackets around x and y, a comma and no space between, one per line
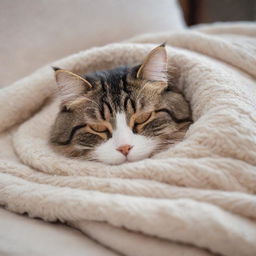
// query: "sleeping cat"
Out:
[120,115]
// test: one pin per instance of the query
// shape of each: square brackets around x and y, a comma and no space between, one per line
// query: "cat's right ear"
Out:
[155,66]
[70,84]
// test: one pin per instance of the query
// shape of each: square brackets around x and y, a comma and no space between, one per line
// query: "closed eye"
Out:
[140,121]
[98,128]
[143,118]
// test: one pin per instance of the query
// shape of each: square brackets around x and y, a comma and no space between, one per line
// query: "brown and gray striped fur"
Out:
[119,115]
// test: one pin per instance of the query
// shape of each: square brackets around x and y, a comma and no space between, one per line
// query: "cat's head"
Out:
[119,115]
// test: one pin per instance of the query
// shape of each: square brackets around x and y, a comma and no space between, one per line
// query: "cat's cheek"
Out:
[106,153]
[143,148]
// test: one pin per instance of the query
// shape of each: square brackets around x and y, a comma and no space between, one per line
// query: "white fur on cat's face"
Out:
[142,147]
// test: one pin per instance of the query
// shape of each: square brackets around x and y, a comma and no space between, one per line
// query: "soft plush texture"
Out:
[197,198]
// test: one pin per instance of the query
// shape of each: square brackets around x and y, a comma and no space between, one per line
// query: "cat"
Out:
[120,115]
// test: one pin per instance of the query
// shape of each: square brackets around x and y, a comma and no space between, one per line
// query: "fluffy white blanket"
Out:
[197,198]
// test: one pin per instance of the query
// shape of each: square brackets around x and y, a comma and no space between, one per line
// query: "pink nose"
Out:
[124,149]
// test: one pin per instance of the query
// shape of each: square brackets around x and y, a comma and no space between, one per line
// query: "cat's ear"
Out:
[70,85]
[154,67]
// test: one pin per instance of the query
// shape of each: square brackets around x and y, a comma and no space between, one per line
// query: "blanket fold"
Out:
[196,198]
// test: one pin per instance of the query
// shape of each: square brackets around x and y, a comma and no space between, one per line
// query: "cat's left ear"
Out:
[70,84]
[154,67]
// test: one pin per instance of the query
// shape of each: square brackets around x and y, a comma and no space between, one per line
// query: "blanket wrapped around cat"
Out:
[196,198]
